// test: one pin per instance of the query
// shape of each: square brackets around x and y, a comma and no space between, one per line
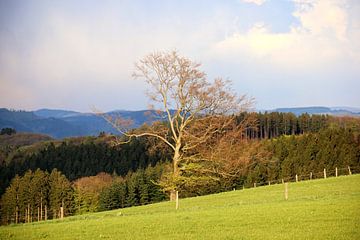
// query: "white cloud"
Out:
[323,37]
[323,17]
[73,61]
[257,2]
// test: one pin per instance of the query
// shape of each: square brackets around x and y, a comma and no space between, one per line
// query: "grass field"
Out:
[318,209]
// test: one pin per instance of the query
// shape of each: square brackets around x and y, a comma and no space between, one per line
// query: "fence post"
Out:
[62,210]
[324,173]
[296,177]
[349,170]
[254,184]
[310,175]
[286,191]
[336,172]
[177,200]
[282,180]
[269,183]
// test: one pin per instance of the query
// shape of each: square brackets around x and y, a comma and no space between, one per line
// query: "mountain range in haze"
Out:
[64,123]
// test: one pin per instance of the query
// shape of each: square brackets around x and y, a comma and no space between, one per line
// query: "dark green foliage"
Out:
[133,195]
[10,201]
[60,194]
[312,152]
[275,124]
[7,131]
[84,159]
[292,145]
[113,197]
[29,195]
[138,188]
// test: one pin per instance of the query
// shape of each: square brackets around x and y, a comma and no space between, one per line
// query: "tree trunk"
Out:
[41,210]
[176,159]
[16,214]
[172,195]
[28,211]
[176,172]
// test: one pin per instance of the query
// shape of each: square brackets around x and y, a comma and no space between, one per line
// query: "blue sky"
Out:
[78,54]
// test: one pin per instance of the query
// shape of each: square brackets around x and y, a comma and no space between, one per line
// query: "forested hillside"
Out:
[101,174]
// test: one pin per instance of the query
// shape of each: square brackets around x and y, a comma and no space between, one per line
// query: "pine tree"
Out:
[10,202]
[133,191]
[60,194]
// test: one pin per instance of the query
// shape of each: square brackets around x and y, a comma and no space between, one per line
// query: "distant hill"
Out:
[27,121]
[48,113]
[336,111]
[63,123]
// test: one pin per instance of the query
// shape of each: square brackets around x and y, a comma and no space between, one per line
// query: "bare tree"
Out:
[198,113]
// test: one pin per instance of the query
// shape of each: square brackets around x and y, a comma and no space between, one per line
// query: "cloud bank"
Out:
[74,55]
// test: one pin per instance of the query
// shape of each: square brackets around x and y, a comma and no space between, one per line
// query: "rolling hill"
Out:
[317,209]
[63,123]
[335,111]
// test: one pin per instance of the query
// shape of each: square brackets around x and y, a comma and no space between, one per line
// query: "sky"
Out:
[76,54]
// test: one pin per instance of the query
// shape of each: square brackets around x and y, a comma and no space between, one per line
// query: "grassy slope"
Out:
[318,209]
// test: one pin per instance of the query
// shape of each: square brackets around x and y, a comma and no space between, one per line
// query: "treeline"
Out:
[88,158]
[38,195]
[279,147]
[84,159]
[282,158]
[299,155]
[274,124]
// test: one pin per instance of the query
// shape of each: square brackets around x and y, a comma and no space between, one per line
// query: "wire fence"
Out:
[326,173]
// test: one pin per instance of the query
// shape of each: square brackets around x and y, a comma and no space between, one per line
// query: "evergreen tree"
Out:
[60,194]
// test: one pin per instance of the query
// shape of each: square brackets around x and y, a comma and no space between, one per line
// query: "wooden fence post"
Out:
[296,177]
[269,183]
[254,184]
[62,210]
[177,200]
[282,180]
[310,175]
[286,191]
[336,172]
[324,173]
[45,212]
[349,170]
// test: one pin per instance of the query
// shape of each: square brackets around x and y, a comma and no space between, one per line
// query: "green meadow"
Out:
[317,209]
